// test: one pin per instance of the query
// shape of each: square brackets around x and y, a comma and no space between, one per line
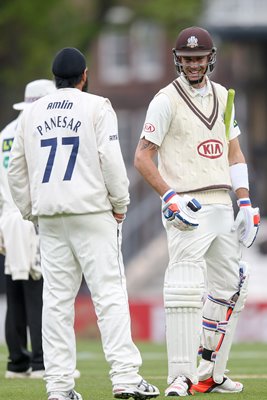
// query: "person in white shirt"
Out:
[199,162]
[67,174]
[24,283]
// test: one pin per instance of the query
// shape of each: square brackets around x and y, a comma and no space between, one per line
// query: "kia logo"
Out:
[149,127]
[210,149]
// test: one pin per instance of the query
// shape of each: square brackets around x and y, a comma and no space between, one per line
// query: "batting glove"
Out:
[180,210]
[247,222]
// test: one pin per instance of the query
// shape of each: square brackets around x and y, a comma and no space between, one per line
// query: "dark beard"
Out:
[197,81]
[85,86]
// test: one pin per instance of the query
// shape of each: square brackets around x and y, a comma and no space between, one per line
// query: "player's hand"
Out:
[32,218]
[35,274]
[119,217]
[180,211]
[35,270]
[2,243]
[247,222]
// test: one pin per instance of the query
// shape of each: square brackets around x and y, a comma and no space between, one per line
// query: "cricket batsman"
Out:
[190,124]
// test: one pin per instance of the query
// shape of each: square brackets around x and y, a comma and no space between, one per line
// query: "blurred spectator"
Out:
[20,244]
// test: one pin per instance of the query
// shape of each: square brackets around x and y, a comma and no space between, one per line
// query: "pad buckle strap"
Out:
[216,326]
[221,302]
[209,355]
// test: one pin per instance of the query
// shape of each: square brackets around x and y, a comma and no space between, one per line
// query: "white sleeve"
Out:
[158,119]
[111,160]
[18,177]
[234,128]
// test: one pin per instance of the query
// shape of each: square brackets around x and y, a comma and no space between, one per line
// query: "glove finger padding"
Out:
[184,222]
[178,210]
[247,222]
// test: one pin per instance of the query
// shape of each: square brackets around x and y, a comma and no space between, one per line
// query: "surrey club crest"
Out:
[192,42]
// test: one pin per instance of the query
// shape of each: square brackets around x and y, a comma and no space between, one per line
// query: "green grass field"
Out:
[248,364]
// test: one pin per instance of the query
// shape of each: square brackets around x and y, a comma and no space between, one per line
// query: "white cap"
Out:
[34,91]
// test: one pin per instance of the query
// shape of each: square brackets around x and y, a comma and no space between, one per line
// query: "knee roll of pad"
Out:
[184,285]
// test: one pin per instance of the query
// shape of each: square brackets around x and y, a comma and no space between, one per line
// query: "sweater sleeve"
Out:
[18,177]
[111,160]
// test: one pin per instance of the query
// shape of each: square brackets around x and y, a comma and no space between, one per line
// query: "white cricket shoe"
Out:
[179,387]
[209,386]
[72,395]
[143,390]
[18,375]
[38,374]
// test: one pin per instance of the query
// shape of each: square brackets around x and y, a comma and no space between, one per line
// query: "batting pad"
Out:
[183,292]
[220,318]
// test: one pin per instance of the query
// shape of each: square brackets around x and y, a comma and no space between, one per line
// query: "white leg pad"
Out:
[183,292]
[219,325]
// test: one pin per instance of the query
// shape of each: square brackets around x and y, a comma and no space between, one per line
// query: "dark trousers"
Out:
[24,310]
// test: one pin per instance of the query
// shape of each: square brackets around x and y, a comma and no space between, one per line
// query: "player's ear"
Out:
[85,73]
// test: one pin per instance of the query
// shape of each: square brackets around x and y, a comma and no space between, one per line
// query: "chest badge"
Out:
[210,148]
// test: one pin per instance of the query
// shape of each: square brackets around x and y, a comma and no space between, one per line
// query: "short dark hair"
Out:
[62,83]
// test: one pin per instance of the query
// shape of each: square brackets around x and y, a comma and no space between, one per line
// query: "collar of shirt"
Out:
[192,91]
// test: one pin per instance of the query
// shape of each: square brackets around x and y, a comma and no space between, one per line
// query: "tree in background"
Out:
[173,14]
[32,31]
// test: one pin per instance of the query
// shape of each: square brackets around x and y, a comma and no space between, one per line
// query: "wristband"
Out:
[168,195]
[245,202]
[239,176]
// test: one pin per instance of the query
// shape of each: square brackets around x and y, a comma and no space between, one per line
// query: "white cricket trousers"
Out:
[88,244]
[213,243]
[211,254]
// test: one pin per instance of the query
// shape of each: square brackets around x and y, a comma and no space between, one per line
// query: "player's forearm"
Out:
[146,167]
[242,193]
[235,154]
[18,181]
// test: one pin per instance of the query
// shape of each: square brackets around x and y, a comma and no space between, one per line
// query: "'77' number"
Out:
[66,141]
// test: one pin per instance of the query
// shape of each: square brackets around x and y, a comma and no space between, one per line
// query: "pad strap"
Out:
[221,302]
[208,355]
[216,326]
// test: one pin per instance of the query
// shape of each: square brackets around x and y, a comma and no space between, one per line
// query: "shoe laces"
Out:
[183,381]
[73,395]
[145,386]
